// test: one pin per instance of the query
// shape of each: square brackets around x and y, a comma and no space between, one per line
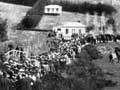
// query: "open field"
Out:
[107,67]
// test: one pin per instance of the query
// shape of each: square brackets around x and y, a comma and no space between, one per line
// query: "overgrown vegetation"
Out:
[88,7]
[27,22]
[111,21]
[82,74]
[3,32]
[34,15]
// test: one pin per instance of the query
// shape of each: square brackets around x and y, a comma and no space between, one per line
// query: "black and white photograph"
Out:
[59,45]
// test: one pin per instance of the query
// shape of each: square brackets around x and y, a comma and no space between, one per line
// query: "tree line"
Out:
[87,7]
[21,2]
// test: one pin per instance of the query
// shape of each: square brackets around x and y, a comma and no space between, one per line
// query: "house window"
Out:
[79,31]
[48,9]
[73,31]
[67,31]
[53,9]
[59,29]
[57,9]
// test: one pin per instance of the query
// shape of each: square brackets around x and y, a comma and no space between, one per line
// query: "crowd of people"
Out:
[35,67]
[43,63]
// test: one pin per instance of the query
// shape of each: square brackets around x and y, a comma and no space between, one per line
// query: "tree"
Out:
[85,74]
[27,22]
[3,32]
[111,21]
[52,81]
[92,51]
[34,15]
[88,7]
[89,28]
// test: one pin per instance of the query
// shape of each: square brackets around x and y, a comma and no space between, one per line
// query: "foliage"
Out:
[85,74]
[27,22]
[88,7]
[34,15]
[92,51]
[111,21]
[52,81]
[3,31]
[89,53]
[89,28]
[74,36]
[82,74]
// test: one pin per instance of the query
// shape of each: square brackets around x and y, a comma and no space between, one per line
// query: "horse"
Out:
[117,51]
[112,57]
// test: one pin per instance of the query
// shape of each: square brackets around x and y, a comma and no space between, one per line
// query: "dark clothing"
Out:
[37,85]
[5,84]
[23,84]
[110,58]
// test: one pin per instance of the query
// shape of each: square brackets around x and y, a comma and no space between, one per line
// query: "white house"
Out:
[67,29]
[115,2]
[53,9]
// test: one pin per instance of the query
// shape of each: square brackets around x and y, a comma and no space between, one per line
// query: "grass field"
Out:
[107,67]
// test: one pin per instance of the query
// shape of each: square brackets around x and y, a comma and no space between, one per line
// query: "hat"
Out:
[21,70]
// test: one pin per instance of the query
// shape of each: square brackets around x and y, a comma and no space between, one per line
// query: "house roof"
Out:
[70,24]
[53,6]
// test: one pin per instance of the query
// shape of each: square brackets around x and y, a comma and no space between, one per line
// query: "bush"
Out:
[53,81]
[27,22]
[3,32]
[88,7]
[92,51]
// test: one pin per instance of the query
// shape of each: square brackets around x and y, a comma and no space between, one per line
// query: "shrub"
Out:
[3,32]
[53,81]
[27,22]
[88,7]
[92,51]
